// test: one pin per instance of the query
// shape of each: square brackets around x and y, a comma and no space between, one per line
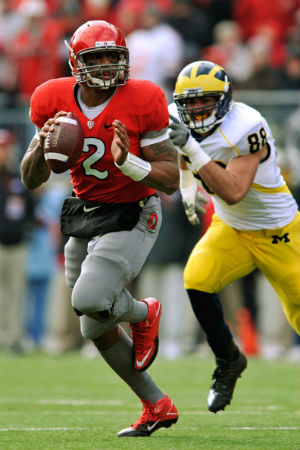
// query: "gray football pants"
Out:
[99,269]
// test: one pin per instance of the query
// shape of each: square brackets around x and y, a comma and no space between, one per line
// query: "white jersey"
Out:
[268,204]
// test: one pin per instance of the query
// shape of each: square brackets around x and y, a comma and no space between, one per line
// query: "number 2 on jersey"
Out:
[94,157]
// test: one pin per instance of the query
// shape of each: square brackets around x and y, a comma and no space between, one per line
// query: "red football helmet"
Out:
[98,36]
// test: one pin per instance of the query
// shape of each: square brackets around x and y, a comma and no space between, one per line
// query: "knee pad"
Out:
[202,274]
[90,302]
[96,289]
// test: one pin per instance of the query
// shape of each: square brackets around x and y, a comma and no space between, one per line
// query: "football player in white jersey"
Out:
[228,148]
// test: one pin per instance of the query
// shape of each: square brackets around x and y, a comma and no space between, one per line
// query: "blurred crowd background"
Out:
[257,42]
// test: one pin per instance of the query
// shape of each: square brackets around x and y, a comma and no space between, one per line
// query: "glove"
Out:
[180,133]
[191,209]
[181,137]
[192,199]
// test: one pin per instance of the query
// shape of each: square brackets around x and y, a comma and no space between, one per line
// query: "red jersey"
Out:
[140,105]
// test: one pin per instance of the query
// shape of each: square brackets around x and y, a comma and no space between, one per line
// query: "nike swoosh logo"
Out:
[142,362]
[150,427]
[85,209]
[107,125]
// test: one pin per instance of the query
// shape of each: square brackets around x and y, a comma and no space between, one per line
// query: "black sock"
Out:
[209,312]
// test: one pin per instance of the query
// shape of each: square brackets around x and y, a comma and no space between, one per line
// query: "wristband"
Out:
[135,167]
[194,151]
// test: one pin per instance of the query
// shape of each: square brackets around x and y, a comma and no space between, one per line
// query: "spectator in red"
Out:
[11,22]
[270,32]
[252,14]
[35,50]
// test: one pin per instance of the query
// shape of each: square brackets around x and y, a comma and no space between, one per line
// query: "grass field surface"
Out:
[68,402]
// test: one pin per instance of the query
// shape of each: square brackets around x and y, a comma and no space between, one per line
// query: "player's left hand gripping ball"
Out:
[64,145]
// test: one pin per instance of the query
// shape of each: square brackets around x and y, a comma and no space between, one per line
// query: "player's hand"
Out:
[120,143]
[48,126]
[193,202]
[179,133]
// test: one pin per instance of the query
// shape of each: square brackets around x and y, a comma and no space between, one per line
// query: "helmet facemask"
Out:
[201,119]
[103,76]
[202,79]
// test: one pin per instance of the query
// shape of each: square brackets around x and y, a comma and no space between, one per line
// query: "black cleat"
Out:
[225,376]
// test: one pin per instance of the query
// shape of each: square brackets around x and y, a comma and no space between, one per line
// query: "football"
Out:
[63,146]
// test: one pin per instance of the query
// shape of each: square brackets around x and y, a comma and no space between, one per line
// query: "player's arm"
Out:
[34,168]
[164,174]
[158,168]
[232,183]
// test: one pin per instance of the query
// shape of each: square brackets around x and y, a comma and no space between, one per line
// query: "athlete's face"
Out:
[201,107]
[102,58]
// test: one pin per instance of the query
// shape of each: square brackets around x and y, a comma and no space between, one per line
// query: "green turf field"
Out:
[68,402]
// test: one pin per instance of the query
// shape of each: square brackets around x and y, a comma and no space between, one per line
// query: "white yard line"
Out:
[47,429]
[72,402]
[264,428]
[80,402]
[237,412]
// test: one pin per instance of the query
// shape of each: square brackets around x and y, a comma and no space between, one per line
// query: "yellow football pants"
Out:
[225,254]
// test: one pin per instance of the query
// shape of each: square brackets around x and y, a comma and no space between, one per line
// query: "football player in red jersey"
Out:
[126,156]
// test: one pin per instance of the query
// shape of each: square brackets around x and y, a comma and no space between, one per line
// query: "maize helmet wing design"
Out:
[91,38]
[199,79]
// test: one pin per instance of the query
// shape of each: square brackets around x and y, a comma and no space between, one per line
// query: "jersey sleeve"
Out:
[40,109]
[156,116]
[252,133]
